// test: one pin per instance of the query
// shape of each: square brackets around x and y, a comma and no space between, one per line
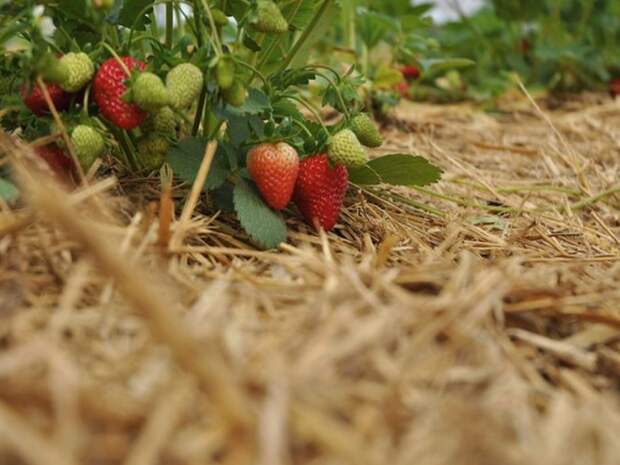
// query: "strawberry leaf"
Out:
[364,176]
[265,226]
[403,170]
[185,158]
[126,11]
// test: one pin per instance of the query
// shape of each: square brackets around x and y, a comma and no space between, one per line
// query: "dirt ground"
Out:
[475,321]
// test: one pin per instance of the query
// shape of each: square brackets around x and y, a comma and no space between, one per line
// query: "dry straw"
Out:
[480,328]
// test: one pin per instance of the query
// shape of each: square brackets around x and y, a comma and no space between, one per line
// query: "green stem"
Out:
[255,72]
[118,58]
[303,127]
[276,42]
[306,34]
[214,32]
[312,110]
[169,24]
[338,94]
[129,156]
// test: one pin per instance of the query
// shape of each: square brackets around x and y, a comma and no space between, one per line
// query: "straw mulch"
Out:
[481,329]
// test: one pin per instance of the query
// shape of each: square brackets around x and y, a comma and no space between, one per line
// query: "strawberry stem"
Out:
[214,34]
[338,93]
[169,24]
[121,63]
[306,34]
[312,110]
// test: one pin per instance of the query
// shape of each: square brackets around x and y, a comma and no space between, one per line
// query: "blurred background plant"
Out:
[455,50]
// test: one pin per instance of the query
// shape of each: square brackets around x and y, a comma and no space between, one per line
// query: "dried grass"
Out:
[482,330]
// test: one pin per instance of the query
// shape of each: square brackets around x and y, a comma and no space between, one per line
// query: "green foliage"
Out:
[186,157]
[397,170]
[243,83]
[564,46]
[264,225]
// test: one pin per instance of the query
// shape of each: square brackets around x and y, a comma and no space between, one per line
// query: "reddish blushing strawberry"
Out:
[402,88]
[614,87]
[35,101]
[320,191]
[274,168]
[57,159]
[108,90]
[410,72]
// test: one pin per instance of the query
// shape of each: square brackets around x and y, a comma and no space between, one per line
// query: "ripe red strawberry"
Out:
[274,168]
[402,89]
[108,90]
[614,87]
[59,162]
[320,191]
[35,101]
[410,72]
[525,45]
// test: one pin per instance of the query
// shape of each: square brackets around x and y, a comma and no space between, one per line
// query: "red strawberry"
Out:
[274,168]
[614,87]
[402,88]
[410,72]
[59,162]
[525,46]
[35,101]
[320,191]
[108,90]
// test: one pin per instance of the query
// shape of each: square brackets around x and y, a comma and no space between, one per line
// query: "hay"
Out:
[480,329]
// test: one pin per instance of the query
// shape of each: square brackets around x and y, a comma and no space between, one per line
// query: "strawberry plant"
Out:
[561,46]
[142,91]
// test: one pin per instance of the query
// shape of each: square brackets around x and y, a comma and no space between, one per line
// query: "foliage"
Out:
[260,86]
[563,46]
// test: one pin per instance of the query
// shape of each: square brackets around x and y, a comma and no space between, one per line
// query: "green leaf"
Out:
[8,192]
[302,13]
[223,198]
[264,225]
[256,103]
[322,30]
[405,170]
[364,175]
[186,157]
[126,11]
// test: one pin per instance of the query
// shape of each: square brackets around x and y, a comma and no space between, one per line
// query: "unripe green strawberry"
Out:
[163,121]
[235,95]
[366,131]
[225,72]
[184,83]
[51,69]
[269,18]
[88,144]
[219,17]
[345,149]
[149,92]
[80,71]
[152,151]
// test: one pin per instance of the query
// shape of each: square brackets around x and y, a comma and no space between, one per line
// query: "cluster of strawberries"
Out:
[127,97]
[318,183]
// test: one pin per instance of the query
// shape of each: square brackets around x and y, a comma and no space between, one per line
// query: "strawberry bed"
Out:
[216,249]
